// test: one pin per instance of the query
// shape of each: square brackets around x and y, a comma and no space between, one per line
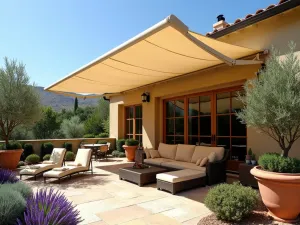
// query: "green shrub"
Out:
[2,147]
[89,136]
[231,202]
[28,150]
[131,142]
[32,159]
[21,187]
[120,143]
[101,142]
[21,163]
[70,156]
[118,154]
[12,206]
[12,145]
[46,157]
[103,135]
[274,162]
[68,146]
[46,148]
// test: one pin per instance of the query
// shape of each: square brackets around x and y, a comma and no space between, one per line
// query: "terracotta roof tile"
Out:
[249,16]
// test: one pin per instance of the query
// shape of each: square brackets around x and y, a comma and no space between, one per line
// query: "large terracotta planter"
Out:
[130,152]
[9,159]
[280,193]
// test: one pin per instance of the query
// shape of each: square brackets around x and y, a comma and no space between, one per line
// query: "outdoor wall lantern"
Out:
[145,97]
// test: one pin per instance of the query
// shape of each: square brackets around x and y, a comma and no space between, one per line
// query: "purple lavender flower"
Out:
[49,207]
[7,176]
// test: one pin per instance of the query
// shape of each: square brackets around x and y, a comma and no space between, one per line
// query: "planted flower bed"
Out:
[19,205]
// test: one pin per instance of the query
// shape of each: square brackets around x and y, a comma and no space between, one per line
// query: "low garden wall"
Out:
[58,143]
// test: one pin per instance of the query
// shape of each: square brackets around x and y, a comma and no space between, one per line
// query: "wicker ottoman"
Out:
[180,180]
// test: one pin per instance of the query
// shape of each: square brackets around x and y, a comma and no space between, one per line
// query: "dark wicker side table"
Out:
[246,178]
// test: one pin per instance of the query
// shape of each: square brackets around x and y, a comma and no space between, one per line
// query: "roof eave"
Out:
[257,18]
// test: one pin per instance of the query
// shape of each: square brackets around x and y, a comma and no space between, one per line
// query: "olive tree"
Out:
[272,101]
[19,101]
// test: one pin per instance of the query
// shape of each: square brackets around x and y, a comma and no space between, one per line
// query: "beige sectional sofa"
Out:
[180,157]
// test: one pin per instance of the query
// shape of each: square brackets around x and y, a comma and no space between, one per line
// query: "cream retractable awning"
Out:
[164,51]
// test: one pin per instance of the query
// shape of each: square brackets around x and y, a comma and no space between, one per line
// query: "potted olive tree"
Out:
[130,147]
[19,104]
[272,106]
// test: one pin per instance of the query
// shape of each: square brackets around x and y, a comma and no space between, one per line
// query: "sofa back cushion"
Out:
[184,152]
[204,151]
[167,151]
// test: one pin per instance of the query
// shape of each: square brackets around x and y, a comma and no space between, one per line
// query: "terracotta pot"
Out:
[130,152]
[9,159]
[280,193]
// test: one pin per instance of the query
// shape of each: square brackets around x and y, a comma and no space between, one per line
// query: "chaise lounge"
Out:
[189,157]
[82,163]
[56,160]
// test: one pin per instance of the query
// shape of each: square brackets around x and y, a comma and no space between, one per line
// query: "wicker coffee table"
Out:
[140,176]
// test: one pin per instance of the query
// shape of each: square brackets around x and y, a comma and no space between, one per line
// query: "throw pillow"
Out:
[198,162]
[203,162]
[148,156]
[212,157]
[154,154]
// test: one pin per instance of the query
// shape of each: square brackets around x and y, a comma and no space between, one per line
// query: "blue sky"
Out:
[55,37]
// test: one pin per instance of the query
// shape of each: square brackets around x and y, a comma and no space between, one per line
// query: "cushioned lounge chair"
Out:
[82,163]
[56,160]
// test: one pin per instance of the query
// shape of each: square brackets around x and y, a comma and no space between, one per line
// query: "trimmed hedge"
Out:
[131,142]
[68,146]
[70,156]
[231,202]
[46,148]
[118,154]
[32,159]
[28,150]
[13,145]
[46,157]
[120,143]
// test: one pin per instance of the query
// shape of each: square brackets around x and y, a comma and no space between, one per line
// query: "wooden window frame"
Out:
[134,118]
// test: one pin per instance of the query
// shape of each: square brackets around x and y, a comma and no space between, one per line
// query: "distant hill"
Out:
[59,102]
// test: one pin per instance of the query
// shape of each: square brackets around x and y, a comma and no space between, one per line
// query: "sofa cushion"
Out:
[211,157]
[203,151]
[148,156]
[154,154]
[182,165]
[156,161]
[167,151]
[203,162]
[180,175]
[184,152]
[198,162]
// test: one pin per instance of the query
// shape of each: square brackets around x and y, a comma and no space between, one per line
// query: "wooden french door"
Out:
[207,119]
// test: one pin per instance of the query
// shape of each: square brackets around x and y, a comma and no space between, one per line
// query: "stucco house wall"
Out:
[277,31]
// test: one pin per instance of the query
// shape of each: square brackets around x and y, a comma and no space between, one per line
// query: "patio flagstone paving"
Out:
[103,199]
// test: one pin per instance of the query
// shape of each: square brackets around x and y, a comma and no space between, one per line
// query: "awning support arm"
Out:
[229,61]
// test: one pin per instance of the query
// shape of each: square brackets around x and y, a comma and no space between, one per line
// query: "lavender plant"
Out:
[49,207]
[7,176]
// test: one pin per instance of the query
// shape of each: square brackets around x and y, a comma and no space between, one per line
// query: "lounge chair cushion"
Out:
[32,171]
[48,162]
[167,151]
[73,164]
[204,151]
[180,175]
[156,161]
[154,154]
[83,157]
[182,165]
[184,152]
[70,170]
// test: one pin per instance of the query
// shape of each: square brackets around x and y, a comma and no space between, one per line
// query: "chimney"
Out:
[221,24]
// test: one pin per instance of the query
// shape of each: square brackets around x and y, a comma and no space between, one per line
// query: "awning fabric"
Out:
[164,51]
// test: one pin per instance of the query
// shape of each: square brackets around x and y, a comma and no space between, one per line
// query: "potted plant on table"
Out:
[19,104]
[130,147]
[253,159]
[272,106]
[249,156]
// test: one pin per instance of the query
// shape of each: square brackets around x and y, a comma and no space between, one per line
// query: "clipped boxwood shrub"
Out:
[274,162]
[231,202]
[46,148]
[32,159]
[103,135]
[12,206]
[131,142]
[120,143]
[46,157]
[13,145]
[28,150]
[70,156]
[68,146]
[118,154]
[122,155]
[21,163]
[101,142]
[88,136]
